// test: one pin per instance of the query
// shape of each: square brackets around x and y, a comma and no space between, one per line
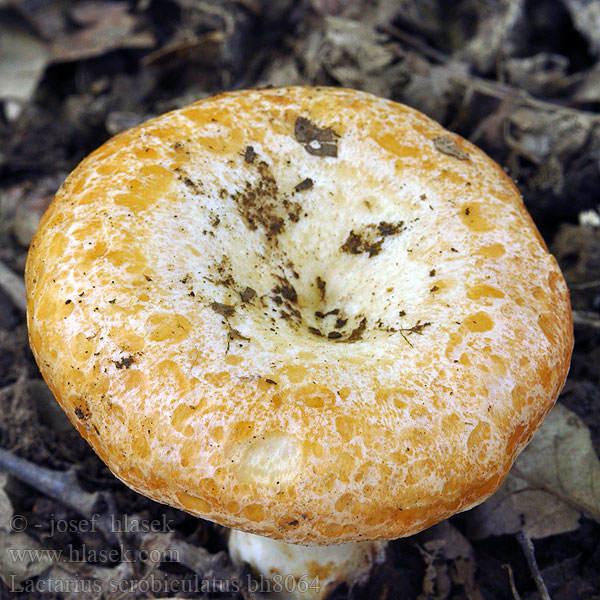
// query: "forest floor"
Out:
[521,79]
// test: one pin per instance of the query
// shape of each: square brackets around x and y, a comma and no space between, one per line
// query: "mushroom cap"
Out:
[308,313]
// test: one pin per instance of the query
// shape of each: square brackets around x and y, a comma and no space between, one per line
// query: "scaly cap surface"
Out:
[308,313]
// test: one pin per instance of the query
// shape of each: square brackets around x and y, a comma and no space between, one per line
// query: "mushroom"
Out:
[308,314]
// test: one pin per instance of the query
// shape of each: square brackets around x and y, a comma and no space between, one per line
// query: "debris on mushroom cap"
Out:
[351,360]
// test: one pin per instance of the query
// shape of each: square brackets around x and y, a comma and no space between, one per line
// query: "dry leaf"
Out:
[540,135]
[517,506]
[19,556]
[586,18]
[561,459]
[432,89]
[497,33]
[450,561]
[104,27]
[542,73]
[421,16]
[589,88]
[353,53]
[578,251]
[22,557]
[23,58]
[554,480]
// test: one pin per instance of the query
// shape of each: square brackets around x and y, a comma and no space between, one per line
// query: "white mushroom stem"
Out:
[304,572]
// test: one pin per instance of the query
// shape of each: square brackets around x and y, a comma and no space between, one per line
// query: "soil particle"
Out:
[193,186]
[287,291]
[247,294]
[125,362]
[316,141]
[370,238]
[305,184]
[322,286]
[234,334]
[249,154]
[223,309]
[261,204]
[340,323]
[84,416]
[357,332]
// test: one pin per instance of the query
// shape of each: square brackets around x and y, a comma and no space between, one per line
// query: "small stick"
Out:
[501,90]
[528,550]
[64,487]
[416,42]
[586,319]
[511,579]
[585,285]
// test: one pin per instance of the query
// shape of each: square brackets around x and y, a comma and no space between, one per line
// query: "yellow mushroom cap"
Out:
[307,313]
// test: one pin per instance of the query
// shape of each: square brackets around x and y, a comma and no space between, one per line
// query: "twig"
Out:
[216,568]
[494,89]
[64,487]
[12,285]
[416,328]
[584,285]
[511,579]
[586,319]
[415,42]
[200,560]
[528,550]
[498,90]
[495,120]
[516,146]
